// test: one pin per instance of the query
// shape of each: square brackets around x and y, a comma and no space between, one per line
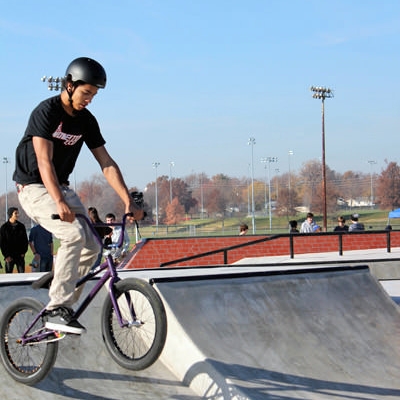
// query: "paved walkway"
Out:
[354,255]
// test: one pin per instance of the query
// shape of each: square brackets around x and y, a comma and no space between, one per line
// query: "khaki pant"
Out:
[78,247]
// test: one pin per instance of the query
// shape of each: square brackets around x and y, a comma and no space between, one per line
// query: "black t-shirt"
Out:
[339,228]
[49,121]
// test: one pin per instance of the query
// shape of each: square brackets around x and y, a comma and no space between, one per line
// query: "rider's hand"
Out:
[65,212]
[138,213]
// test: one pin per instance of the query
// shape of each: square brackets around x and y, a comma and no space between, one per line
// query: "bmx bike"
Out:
[133,323]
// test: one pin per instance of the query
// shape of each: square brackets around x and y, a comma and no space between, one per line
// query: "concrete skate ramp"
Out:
[332,333]
[84,369]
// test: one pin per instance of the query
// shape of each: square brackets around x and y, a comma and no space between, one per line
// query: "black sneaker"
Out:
[61,319]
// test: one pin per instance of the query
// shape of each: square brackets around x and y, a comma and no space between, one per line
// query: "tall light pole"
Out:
[155,166]
[171,164]
[290,153]
[371,163]
[201,196]
[248,192]
[277,183]
[269,160]
[5,162]
[323,93]
[251,142]
[264,160]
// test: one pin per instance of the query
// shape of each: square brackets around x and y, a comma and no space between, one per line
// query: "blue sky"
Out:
[190,81]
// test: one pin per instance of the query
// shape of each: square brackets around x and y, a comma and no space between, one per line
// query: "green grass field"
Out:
[372,219]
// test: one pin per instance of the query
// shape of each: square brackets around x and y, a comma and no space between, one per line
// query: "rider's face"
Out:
[83,95]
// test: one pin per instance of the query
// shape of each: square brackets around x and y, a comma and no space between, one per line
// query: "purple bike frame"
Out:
[110,274]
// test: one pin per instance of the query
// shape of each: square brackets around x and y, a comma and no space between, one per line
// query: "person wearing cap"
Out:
[355,225]
[13,242]
[45,158]
[316,228]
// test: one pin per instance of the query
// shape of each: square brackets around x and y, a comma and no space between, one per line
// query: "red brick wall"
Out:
[152,252]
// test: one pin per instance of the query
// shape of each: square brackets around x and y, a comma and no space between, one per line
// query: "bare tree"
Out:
[175,212]
[388,187]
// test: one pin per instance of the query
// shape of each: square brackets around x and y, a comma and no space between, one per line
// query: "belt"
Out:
[19,187]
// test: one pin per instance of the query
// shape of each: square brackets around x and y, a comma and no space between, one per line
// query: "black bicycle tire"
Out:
[46,351]
[117,339]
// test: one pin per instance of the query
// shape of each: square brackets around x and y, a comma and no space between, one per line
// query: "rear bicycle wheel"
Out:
[135,347]
[29,363]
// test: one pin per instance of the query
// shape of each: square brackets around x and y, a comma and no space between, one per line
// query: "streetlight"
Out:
[171,164]
[269,160]
[323,93]
[155,165]
[264,160]
[289,186]
[248,192]
[371,163]
[251,142]
[54,83]
[277,183]
[6,161]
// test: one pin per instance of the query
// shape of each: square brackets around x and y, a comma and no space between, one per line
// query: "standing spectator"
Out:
[341,226]
[355,225]
[13,242]
[41,244]
[113,238]
[308,225]
[293,226]
[243,229]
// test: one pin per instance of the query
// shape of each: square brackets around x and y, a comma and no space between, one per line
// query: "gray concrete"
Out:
[314,335]
[84,370]
[279,334]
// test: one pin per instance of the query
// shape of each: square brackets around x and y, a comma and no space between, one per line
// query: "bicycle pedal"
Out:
[57,336]
[60,335]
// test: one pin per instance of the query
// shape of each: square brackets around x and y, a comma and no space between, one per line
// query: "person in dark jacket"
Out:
[13,242]
[355,225]
[341,226]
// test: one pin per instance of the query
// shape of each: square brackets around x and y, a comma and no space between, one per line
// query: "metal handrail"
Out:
[291,238]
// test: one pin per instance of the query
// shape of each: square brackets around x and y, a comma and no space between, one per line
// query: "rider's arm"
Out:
[44,155]
[114,177]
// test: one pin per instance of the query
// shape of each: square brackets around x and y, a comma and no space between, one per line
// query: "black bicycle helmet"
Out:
[87,70]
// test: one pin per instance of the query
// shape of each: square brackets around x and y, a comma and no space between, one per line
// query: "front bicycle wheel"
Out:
[29,363]
[135,346]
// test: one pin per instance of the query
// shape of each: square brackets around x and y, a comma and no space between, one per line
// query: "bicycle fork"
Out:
[129,309]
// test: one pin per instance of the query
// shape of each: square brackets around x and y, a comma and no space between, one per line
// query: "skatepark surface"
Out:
[239,333]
